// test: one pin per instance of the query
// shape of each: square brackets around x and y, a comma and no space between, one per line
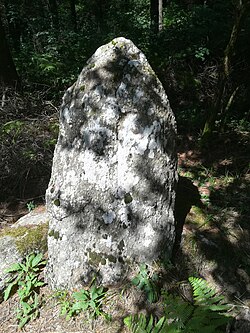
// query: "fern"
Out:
[142,324]
[207,296]
[210,309]
[207,314]
[177,310]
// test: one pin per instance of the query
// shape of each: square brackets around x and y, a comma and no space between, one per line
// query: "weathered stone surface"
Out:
[112,189]
[33,218]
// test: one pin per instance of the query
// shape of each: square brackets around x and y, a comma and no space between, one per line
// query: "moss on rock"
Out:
[28,239]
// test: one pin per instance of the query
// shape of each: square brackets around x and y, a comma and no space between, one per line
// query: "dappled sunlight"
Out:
[216,237]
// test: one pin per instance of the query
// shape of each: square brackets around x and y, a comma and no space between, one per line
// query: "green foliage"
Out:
[12,128]
[27,282]
[31,206]
[147,283]
[89,300]
[140,324]
[65,302]
[188,43]
[208,313]
[208,297]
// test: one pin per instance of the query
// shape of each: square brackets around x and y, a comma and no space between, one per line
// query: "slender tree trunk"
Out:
[221,101]
[156,15]
[8,73]
[160,11]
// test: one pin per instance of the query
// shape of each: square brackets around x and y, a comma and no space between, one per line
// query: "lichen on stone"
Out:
[57,202]
[128,198]
[55,234]
[100,258]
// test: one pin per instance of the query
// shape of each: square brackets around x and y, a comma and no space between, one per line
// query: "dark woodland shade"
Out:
[8,73]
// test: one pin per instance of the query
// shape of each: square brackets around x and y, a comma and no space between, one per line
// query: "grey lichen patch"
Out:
[96,258]
[121,245]
[28,239]
[103,261]
[55,234]
[91,65]
[112,258]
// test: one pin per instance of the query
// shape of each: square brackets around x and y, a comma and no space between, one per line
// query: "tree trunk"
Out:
[8,73]
[160,11]
[156,15]
[221,101]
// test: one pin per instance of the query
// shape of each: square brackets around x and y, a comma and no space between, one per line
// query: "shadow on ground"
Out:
[216,237]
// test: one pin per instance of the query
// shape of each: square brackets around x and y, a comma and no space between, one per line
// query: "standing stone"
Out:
[112,190]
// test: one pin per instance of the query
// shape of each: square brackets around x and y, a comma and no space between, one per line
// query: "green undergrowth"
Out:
[90,301]
[197,217]
[25,279]
[147,282]
[207,311]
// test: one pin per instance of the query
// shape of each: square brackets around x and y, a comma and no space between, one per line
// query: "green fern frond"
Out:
[139,323]
[205,295]
[176,309]
[207,314]
[142,324]
[210,309]
[206,321]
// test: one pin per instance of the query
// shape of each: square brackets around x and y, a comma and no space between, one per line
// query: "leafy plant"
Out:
[27,283]
[208,313]
[147,283]
[65,301]
[84,300]
[31,206]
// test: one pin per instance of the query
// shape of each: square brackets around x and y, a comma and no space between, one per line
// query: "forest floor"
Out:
[215,240]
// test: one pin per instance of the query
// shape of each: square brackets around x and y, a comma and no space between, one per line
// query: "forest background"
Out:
[200,50]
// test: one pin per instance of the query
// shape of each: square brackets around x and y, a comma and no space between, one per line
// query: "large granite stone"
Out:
[112,189]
